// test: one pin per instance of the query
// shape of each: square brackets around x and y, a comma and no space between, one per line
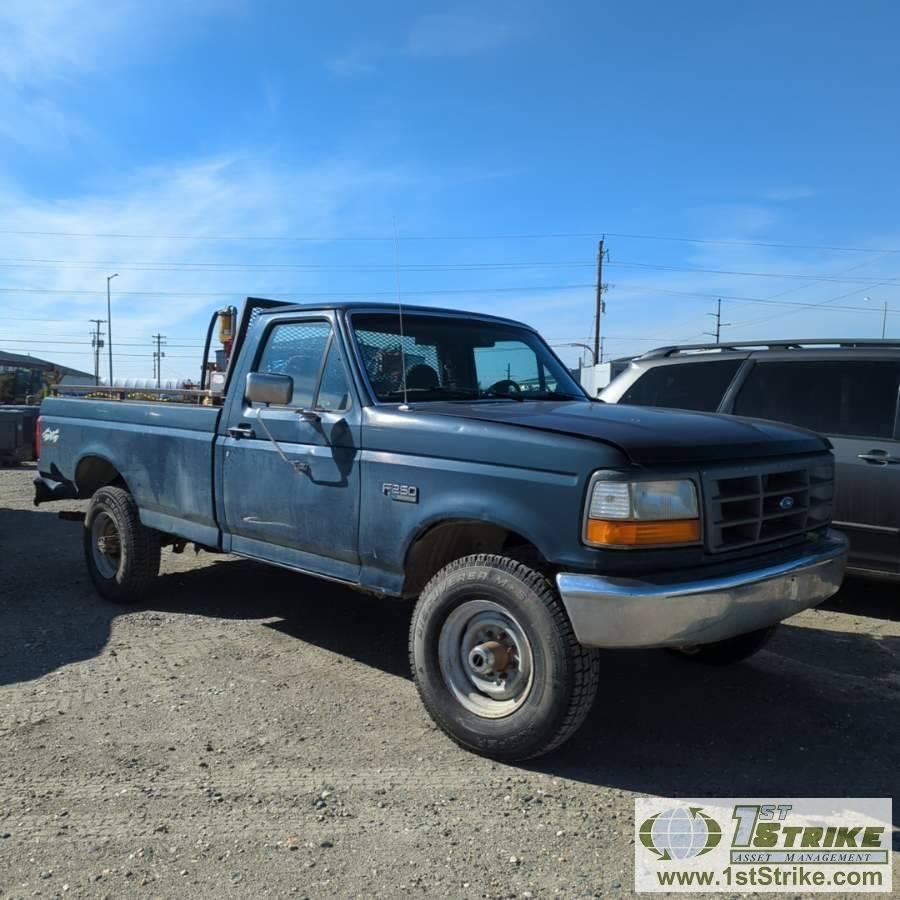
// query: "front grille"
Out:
[769,501]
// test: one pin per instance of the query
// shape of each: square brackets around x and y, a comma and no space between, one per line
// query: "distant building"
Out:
[23,376]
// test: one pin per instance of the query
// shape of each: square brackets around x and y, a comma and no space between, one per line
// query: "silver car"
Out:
[844,389]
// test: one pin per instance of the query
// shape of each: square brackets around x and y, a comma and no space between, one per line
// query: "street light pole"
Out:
[586,347]
[109,278]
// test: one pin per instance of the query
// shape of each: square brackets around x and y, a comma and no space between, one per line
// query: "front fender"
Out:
[541,506]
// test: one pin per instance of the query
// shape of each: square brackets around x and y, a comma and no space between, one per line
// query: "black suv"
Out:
[844,389]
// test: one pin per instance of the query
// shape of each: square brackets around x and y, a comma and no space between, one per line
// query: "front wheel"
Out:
[122,555]
[731,650]
[495,659]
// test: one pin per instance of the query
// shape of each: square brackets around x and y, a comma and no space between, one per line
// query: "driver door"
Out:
[290,475]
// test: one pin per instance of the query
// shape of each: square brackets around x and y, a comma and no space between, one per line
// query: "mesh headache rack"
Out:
[793,344]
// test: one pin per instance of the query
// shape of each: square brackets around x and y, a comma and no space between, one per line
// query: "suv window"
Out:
[693,385]
[847,397]
[297,349]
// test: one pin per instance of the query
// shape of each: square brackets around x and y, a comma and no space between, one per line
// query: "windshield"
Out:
[458,359]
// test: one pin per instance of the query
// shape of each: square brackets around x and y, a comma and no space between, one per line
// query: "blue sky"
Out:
[219,133]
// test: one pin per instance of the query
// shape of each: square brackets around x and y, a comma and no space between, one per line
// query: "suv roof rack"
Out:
[794,344]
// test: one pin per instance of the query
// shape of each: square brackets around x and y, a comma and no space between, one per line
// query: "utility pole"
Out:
[158,355]
[600,306]
[883,316]
[109,278]
[717,315]
[97,346]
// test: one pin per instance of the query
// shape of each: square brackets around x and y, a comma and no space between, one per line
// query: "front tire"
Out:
[731,650]
[495,659]
[122,555]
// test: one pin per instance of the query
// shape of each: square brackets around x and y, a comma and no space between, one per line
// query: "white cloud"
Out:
[42,40]
[789,194]
[47,45]
[436,35]
[458,34]
[358,59]
[250,196]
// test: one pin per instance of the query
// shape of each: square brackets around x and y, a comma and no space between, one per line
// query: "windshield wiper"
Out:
[550,395]
[426,394]
[496,395]
[450,393]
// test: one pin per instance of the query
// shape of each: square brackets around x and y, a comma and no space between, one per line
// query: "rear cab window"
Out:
[696,386]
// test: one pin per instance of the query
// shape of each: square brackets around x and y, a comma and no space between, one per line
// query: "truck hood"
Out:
[648,436]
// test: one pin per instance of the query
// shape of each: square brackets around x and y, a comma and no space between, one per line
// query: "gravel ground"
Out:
[249,733]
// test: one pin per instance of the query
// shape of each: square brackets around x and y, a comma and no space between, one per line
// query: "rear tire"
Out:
[122,555]
[495,659]
[731,650]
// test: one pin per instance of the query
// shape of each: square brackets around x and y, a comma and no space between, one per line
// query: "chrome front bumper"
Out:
[626,612]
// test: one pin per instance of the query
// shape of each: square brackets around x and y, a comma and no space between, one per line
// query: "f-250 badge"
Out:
[403,493]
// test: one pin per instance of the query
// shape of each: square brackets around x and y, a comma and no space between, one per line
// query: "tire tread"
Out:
[585,661]
[143,547]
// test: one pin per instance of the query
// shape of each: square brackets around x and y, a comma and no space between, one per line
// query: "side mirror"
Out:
[270,389]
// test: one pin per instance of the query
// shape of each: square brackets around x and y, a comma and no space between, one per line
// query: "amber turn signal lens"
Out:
[604,532]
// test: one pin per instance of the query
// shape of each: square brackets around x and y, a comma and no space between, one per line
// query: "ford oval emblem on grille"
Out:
[786,503]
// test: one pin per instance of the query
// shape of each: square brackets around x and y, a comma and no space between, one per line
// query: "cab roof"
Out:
[279,306]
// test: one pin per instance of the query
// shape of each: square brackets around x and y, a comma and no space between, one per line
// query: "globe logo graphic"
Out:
[680,833]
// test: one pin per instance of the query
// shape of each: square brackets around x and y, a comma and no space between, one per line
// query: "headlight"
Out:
[641,513]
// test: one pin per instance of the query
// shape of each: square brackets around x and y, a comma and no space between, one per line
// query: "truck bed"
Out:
[163,451]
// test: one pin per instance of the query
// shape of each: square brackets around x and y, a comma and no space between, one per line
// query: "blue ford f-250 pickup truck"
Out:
[451,457]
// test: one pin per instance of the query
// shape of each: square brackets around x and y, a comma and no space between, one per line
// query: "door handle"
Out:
[878,458]
[241,431]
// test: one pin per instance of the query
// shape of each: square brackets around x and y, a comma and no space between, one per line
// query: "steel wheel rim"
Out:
[106,545]
[478,638]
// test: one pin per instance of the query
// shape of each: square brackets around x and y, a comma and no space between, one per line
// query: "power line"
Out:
[191,266]
[488,265]
[33,340]
[742,299]
[387,236]
[337,295]
[748,243]
[116,355]
[822,306]
[815,276]
[296,294]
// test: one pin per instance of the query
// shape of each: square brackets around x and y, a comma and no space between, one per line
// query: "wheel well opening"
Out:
[443,543]
[94,473]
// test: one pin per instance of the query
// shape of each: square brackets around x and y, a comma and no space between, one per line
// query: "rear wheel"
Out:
[122,555]
[729,651]
[495,659]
